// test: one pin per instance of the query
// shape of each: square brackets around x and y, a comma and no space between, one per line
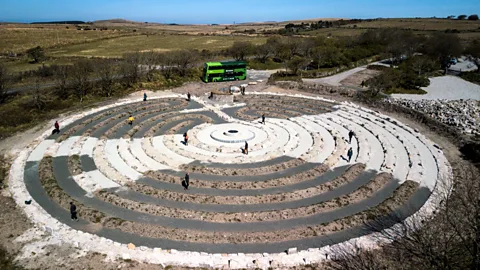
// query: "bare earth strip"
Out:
[399,197]
[290,180]
[354,197]
[243,172]
[348,176]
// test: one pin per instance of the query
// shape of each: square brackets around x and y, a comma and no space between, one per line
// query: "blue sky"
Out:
[227,11]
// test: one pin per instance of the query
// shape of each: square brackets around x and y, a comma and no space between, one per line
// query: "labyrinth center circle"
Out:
[232,133]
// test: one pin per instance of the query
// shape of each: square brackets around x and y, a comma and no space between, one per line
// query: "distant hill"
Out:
[60,22]
[115,21]
[294,21]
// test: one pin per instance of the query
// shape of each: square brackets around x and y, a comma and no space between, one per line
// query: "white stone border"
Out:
[113,249]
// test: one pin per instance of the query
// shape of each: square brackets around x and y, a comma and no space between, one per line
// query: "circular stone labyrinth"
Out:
[294,189]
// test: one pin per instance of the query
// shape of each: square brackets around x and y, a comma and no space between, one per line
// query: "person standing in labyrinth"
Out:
[350,154]
[350,136]
[188,96]
[56,129]
[130,120]
[73,211]
[246,148]
[185,138]
[263,119]
[186,181]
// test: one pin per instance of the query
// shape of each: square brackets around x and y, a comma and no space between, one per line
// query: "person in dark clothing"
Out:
[246,148]
[350,154]
[56,129]
[350,136]
[144,96]
[73,211]
[211,95]
[185,138]
[263,119]
[186,181]
[188,96]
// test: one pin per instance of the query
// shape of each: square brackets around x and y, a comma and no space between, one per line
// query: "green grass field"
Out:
[18,38]
[116,47]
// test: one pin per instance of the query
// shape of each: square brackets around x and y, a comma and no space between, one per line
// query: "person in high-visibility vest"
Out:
[130,120]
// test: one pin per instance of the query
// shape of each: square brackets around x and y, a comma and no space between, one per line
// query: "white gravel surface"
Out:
[448,88]
[464,65]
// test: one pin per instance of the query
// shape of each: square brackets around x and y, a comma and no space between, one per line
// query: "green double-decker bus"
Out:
[224,71]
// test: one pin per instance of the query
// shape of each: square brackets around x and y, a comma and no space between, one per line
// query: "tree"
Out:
[381,82]
[276,45]
[464,205]
[354,257]
[333,57]
[131,68]
[462,17]
[473,17]
[106,72]
[61,76]
[184,59]
[36,53]
[80,78]
[442,47]
[4,83]
[318,55]
[403,44]
[306,47]
[421,64]
[240,49]
[262,52]
[296,63]
[474,51]
[167,62]
[37,97]
[293,45]
[151,60]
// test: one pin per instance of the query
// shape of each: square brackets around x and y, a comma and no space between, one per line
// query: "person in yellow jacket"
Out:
[130,120]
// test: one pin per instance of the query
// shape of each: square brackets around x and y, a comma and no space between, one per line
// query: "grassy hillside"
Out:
[421,24]
[116,47]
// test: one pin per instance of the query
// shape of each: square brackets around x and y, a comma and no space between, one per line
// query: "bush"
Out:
[283,76]
[473,76]
[473,17]
[377,67]
[36,53]
[269,64]
[399,80]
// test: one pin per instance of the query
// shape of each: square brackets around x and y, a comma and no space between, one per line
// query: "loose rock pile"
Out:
[463,114]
